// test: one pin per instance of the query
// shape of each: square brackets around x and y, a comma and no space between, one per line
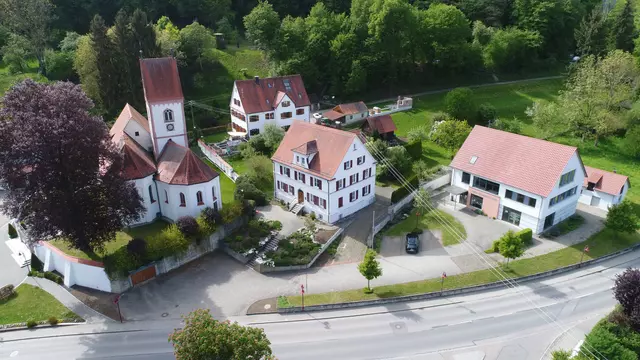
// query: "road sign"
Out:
[116,300]
[586,248]
[444,274]
[302,288]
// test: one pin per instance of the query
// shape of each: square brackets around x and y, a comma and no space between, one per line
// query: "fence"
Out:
[402,104]
[262,268]
[395,208]
[218,160]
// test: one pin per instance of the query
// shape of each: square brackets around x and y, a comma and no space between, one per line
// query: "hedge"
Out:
[526,235]
[12,232]
[414,149]
[399,193]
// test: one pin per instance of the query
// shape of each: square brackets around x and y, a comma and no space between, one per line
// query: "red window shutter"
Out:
[278,185]
[295,175]
[337,185]
[324,203]
[281,171]
[320,184]
[339,202]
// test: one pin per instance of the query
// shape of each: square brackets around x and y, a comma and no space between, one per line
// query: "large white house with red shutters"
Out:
[278,101]
[171,180]
[321,170]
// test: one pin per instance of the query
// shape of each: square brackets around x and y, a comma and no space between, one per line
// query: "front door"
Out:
[512,216]
[548,221]
[300,196]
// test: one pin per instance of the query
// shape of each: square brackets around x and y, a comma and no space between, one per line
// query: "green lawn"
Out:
[7,79]
[227,186]
[600,244]
[214,138]
[32,303]
[122,238]
[432,221]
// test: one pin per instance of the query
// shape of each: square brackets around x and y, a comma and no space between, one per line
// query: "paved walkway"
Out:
[10,270]
[68,300]
[290,222]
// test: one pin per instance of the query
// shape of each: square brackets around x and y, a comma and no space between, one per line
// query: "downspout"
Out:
[329,201]
[158,196]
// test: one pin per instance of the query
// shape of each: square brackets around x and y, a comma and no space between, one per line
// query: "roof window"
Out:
[473,159]
[287,84]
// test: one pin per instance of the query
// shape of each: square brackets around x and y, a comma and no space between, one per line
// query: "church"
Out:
[171,180]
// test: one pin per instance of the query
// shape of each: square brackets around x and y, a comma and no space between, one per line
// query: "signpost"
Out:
[117,302]
[417,216]
[585,250]
[444,275]
[302,291]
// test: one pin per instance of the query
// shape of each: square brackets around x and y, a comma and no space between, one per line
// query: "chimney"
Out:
[257,79]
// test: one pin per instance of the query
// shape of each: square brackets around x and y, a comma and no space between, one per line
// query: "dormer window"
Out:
[168,116]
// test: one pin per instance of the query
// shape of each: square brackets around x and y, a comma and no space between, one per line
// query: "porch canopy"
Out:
[454,190]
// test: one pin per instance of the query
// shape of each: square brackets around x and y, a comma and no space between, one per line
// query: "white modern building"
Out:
[528,182]
[325,171]
[278,100]
[170,178]
[602,189]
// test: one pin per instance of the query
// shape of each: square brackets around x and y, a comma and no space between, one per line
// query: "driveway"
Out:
[290,222]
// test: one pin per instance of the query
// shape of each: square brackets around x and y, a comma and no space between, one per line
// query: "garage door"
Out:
[143,275]
[595,201]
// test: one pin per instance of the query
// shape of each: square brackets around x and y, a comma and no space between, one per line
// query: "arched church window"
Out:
[199,198]
[183,200]
[168,116]
[151,194]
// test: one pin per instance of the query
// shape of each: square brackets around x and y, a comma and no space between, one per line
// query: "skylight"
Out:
[287,84]
[473,160]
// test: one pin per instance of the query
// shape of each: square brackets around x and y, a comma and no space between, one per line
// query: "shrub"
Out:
[231,212]
[526,235]
[460,104]
[400,193]
[53,321]
[622,217]
[486,113]
[249,208]
[6,292]
[495,247]
[414,149]
[137,247]
[312,216]
[206,228]
[118,264]
[31,324]
[188,226]
[246,189]
[297,249]
[35,273]
[53,277]
[211,216]
[12,232]
[275,225]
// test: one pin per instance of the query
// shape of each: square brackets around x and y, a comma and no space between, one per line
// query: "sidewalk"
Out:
[68,300]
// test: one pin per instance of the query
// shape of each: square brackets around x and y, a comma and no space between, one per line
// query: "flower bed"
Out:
[297,249]
[252,237]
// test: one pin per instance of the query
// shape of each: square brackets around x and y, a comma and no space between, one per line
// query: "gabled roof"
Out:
[332,115]
[254,96]
[607,182]
[523,162]
[160,79]
[128,113]
[332,146]
[382,124]
[310,147]
[352,108]
[138,163]
[178,165]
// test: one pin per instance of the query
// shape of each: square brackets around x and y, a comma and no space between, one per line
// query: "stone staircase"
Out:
[297,208]
[271,244]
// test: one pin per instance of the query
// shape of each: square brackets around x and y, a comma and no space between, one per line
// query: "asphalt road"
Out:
[502,324]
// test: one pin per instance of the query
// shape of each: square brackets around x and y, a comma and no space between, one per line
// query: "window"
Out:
[254,131]
[302,177]
[287,84]
[340,202]
[348,164]
[317,183]
[151,195]
[532,202]
[183,200]
[269,116]
[238,115]
[168,116]
[567,178]
[353,196]
[523,199]
[299,111]
[199,198]
[354,147]
[591,186]
[286,115]
[213,194]
[366,173]
[360,160]
[520,198]
[137,133]
[508,194]
[366,190]
[278,185]
[340,184]
[323,202]
[466,177]
[565,195]
[254,118]
[287,171]
[621,190]
[286,103]
[281,170]
[236,102]
[166,197]
[297,158]
[476,201]
[511,215]
[350,117]
[486,185]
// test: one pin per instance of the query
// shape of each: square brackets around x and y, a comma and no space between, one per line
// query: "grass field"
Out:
[32,303]
[600,244]
[227,186]
[122,238]
[430,220]
[7,79]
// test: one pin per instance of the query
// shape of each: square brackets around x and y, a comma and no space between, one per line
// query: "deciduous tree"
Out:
[202,337]
[632,142]
[370,267]
[591,34]
[461,105]
[195,40]
[262,25]
[512,50]
[61,168]
[622,217]
[450,134]
[511,246]
[272,135]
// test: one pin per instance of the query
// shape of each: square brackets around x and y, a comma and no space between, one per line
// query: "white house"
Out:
[528,182]
[348,113]
[170,178]
[602,189]
[323,170]
[278,100]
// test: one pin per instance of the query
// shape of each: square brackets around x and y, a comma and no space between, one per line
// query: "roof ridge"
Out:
[525,136]
[324,128]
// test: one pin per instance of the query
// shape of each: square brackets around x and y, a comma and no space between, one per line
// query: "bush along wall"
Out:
[526,235]
[400,193]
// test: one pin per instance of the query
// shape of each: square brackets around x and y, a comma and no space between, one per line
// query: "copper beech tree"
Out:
[60,166]
[204,338]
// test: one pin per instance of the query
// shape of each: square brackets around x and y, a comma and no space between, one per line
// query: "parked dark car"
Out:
[412,243]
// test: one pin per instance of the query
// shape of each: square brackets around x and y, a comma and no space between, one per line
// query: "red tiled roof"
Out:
[253,97]
[383,124]
[128,113]
[178,165]
[523,162]
[351,108]
[137,162]
[332,145]
[307,148]
[605,181]
[332,115]
[160,79]
[359,134]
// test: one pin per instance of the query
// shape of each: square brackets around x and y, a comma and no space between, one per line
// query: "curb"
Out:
[45,325]
[69,335]
[459,291]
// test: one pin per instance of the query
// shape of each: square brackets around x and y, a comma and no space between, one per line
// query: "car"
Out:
[412,243]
